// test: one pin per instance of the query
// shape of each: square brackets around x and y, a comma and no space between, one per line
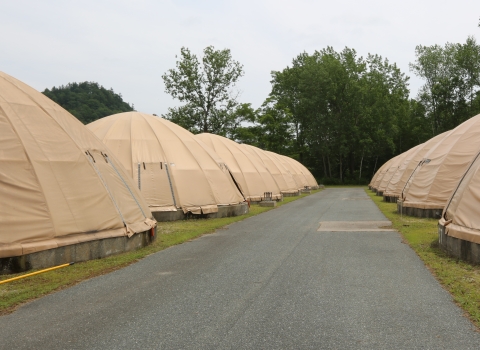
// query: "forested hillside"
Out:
[88,101]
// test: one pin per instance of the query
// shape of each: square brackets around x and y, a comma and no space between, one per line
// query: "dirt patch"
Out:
[355,226]
[356,199]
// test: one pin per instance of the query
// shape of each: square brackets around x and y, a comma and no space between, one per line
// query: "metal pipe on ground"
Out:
[36,273]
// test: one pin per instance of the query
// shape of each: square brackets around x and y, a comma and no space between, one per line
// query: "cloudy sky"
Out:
[128,45]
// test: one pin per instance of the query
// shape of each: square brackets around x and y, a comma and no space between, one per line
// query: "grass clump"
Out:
[15,293]
[460,278]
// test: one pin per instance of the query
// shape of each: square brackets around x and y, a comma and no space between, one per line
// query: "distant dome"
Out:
[299,168]
[252,176]
[298,176]
[281,175]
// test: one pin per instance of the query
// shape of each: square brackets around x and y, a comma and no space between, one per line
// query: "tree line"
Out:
[340,114]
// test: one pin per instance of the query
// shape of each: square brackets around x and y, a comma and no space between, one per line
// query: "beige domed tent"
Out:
[282,177]
[461,216]
[250,173]
[171,166]
[394,178]
[430,186]
[378,173]
[298,177]
[400,178]
[394,165]
[300,168]
[381,173]
[59,184]
[393,174]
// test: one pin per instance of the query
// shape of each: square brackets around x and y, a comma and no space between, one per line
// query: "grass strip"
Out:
[170,233]
[460,278]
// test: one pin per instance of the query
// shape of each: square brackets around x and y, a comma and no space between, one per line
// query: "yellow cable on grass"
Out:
[36,273]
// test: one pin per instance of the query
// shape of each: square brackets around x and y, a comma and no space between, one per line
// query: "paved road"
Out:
[270,282]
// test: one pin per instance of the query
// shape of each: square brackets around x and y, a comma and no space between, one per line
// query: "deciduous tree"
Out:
[206,89]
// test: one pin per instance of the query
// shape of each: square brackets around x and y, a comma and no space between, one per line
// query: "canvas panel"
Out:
[400,189]
[154,184]
[435,179]
[20,192]
[464,203]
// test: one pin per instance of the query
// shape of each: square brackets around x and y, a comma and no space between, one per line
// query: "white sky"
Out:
[128,45]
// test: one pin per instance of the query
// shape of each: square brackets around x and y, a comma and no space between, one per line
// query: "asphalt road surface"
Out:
[273,281]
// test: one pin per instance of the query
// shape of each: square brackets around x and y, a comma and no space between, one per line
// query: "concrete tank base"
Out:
[379,193]
[293,194]
[268,204]
[223,211]
[84,251]
[390,199]
[418,212]
[458,248]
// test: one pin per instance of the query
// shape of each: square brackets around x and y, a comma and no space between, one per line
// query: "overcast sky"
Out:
[128,45]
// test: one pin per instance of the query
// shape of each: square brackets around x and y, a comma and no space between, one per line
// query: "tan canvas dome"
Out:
[396,175]
[298,176]
[461,213]
[381,173]
[171,166]
[442,167]
[410,163]
[250,173]
[59,184]
[301,169]
[396,170]
[394,165]
[377,174]
[282,177]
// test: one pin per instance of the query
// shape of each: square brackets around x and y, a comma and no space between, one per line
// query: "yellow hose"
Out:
[36,273]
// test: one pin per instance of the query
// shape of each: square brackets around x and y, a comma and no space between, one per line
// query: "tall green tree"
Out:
[344,110]
[452,82]
[88,101]
[206,89]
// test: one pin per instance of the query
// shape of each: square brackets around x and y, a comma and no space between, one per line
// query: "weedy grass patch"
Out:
[15,293]
[460,278]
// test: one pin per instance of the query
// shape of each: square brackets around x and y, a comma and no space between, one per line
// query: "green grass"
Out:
[15,293]
[460,278]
